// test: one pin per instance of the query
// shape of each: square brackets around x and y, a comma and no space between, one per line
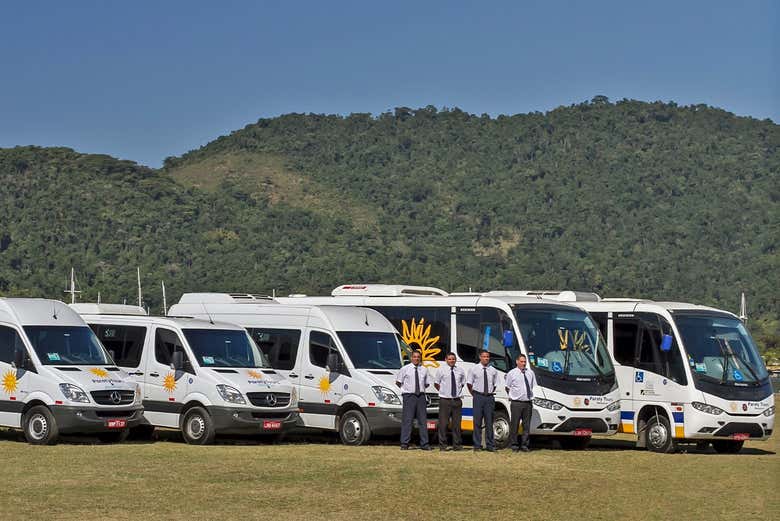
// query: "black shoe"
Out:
[515,449]
[490,449]
[477,449]
[426,447]
[525,449]
[404,447]
[443,449]
[457,448]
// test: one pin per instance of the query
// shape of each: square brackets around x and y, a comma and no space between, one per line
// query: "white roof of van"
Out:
[38,312]
[225,298]
[386,290]
[180,322]
[90,308]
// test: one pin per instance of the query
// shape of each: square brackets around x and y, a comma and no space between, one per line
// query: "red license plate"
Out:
[272,425]
[583,432]
[431,425]
[739,436]
[116,424]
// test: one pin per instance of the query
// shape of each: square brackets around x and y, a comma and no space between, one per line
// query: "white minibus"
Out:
[56,377]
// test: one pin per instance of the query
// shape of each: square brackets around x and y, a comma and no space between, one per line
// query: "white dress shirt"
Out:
[406,380]
[516,384]
[444,379]
[476,378]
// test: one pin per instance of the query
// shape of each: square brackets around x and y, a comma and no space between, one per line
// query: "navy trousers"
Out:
[483,409]
[414,408]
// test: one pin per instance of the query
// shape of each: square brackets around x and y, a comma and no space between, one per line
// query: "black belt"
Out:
[484,394]
[413,394]
[443,398]
[520,401]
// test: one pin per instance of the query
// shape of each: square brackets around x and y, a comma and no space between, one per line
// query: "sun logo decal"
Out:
[10,383]
[169,383]
[418,335]
[257,375]
[324,384]
[99,372]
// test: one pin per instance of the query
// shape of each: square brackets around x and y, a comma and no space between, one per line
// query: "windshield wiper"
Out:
[726,357]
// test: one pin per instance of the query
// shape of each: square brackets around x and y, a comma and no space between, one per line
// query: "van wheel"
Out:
[659,434]
[727,446]
[114,437]
[501,429]
[197,427]
[353,428]
[574,442]
[40,427]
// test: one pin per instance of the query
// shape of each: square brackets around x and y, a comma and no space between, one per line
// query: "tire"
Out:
[197,427]
[114,437]
[727,446]
[659,434]
[354,429]
[574,442]
[501,429]
[40,427]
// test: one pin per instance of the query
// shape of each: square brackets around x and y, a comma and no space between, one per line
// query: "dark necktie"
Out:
[452,382]
[485,384]
[527,387]
[416,381]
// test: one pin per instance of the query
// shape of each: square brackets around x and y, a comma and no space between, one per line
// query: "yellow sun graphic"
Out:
[324,385]
[578,340]
[417,335]
[169,383]
[257,375]
[9,382]
[97,371]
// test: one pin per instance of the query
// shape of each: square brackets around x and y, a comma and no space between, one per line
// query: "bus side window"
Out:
[468,337]
[676,366]
[601,322]
[626,336]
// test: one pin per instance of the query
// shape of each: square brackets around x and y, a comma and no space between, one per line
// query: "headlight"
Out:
[614,406]
[385,395]
[294,397]
[770,411]
[74,393]
[709,409]
[547,404]
[139,397]
[230,394]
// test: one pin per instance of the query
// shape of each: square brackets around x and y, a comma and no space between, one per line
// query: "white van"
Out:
[344,360]
[201,377]
[686,373]
[55,377]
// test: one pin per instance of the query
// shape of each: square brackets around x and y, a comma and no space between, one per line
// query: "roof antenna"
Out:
[211,320]
[54,310]
[165,303]
[366,315]
[140,305]
[743,309]
[72,289]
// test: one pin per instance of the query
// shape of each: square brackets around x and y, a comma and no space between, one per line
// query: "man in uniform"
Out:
[520,383]
[449,382]
[482,381]
[413,379]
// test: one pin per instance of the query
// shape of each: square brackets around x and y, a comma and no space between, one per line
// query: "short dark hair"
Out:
[484,351]
[417,351]
[450,353]
[521,355]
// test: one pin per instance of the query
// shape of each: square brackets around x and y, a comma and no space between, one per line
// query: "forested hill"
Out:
[625,199]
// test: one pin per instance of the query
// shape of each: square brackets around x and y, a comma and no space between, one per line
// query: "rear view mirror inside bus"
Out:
[666,343]
[509,338]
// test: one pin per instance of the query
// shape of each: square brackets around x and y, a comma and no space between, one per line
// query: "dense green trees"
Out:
[630,198]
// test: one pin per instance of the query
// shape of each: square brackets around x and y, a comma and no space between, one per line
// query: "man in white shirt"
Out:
[449,380]
[520,383]
[413,379]
[482,382]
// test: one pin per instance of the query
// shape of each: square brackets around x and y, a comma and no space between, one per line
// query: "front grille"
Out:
[270,415]
[269,399]
[752,429]
[114,414]
[594,424]
[432,399]
[109,397]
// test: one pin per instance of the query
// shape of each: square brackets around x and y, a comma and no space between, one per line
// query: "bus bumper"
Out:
[565,422]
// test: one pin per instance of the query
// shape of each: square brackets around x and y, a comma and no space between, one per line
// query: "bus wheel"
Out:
[501,429]
[197,427]
[40,427]
[727,446]
[659,434]
[353,428]
[574,442]
[114,437]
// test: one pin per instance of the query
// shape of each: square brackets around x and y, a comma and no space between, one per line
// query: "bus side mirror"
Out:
[666,343]
[509,338]
[19,355]
[333,362]
[177,360]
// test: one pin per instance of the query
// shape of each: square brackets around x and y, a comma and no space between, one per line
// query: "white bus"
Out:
[577,394]
[686,373]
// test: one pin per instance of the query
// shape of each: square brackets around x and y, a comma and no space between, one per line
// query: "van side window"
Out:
[279,345]
[9,340]
[320,345]
[165,343]
[601,322]
[126,342]
[626,333]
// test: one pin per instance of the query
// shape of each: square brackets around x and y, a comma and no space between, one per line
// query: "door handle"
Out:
[137,373]
[154,374]
[309,377]
[293,375]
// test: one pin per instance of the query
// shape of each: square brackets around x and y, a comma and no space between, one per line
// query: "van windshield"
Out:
[371,350]
[67,345]
[224,348]
[720,348]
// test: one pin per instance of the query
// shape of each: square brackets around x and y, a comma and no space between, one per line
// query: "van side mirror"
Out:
[19,356]
[333,362]
[177,360]
[509,338]
[112,355]
[666,343]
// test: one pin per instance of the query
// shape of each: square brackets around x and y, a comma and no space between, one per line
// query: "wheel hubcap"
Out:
[196,426]
[657,435]
[352,429]
[501,430]
[38,426]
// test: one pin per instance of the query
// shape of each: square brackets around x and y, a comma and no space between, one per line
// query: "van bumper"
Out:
[247,420]
[383,420]
[85,420]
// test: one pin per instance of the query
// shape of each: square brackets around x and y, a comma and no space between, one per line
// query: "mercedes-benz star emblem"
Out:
[270,399]
[115,397]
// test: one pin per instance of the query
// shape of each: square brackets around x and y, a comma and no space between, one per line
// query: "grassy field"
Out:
[298,480]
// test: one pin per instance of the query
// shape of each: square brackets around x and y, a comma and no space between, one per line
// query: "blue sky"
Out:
[144,80]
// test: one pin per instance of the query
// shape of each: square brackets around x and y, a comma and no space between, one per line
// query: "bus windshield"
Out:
[225,348]
[720,348]
[67,345]
[371,350]
[563,342]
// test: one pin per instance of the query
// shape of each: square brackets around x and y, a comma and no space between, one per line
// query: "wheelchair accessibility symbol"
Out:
[639,377]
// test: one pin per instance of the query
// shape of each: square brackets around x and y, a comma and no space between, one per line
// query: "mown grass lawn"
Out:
[321,481]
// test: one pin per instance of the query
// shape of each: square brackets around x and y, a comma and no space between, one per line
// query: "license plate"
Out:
[739,436]
[272,425]
[431,425]
[116,424]
[583,432]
